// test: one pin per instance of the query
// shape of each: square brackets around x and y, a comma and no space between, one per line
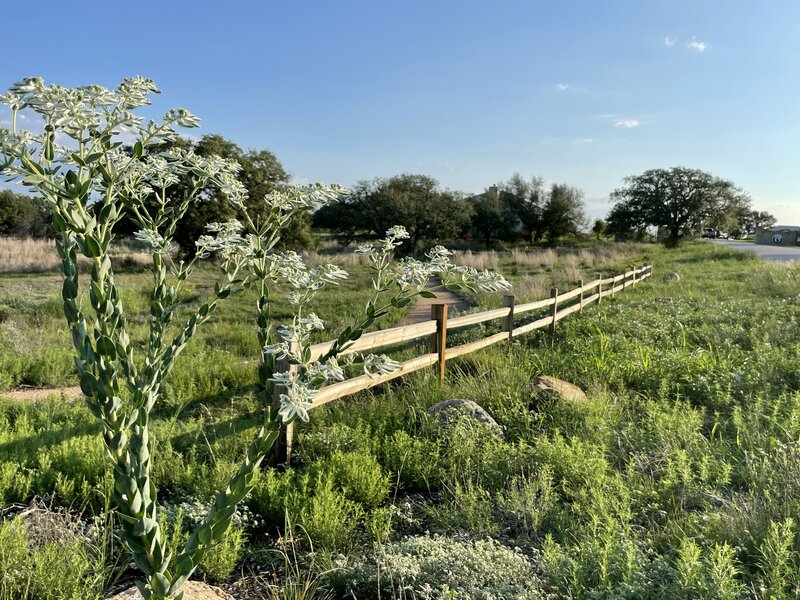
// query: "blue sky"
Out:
[468,92]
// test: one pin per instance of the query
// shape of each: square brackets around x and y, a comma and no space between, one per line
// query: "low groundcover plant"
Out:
[97,160]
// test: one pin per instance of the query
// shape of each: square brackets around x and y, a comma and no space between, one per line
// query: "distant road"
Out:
[773,253]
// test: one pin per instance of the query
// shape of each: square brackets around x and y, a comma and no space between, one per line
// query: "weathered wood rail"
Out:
[436,330]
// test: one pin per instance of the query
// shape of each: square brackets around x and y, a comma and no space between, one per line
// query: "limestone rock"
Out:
[192,590]
[550,388]
[672,276]
[447,410]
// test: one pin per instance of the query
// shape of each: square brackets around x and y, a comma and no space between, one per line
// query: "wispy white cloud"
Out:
[697,45]
[626,123]
[562,87]
[670,41]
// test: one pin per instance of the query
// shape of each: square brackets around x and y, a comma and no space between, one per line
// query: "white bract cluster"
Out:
[413,275]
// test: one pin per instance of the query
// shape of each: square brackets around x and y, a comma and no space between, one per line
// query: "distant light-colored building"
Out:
[782,235]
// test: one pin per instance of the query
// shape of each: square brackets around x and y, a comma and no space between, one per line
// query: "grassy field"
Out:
[677,478]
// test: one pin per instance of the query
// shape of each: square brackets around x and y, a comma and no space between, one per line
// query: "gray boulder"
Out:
[544,387]
[672,276]
[449,410]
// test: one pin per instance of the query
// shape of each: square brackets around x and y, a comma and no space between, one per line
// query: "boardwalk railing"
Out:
[437,327]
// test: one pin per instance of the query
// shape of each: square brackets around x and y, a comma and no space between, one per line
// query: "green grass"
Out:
[678,478]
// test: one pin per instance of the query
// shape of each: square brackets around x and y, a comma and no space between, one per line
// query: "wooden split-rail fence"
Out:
[436,330]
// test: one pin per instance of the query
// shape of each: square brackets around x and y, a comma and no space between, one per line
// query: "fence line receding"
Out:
[437,327]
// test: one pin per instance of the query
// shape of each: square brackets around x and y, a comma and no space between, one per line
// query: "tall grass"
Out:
[26,255]
[488,259]
[535,259]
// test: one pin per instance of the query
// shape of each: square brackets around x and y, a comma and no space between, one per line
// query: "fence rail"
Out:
[436,330]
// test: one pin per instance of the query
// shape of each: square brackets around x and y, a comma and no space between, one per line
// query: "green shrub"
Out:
[527,503]
[358,476]
[778,561]
[61,570]
[415,460]
[273,495]
[328,518]
[467,507]
[15,564]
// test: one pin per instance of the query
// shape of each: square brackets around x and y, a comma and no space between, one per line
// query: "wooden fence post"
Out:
[282,450]
[633,283]
[600,289]
[439,339]
[624,280]
[508,322]
[580,297]
[554,294]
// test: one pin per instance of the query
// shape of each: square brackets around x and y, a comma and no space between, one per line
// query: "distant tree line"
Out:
[23,216]
[515,210]
[678,202]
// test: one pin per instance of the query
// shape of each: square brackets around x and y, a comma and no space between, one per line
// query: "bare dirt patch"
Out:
[32,394]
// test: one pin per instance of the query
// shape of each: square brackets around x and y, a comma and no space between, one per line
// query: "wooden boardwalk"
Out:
[421,311]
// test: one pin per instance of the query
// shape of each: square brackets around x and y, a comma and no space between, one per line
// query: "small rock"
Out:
[458,407]
[672,276]
[664,300]
[551,388]
[192,590]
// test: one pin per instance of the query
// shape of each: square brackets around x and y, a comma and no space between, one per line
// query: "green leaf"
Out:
[138,149]
[88,383]
[221,527]
[106,347]
[238,487]
[204,534]
[48,148]
[160,584]
[427,294]
[91,246]
[143,527]
[70,312]
[183,565]
[69,290]
[58,222]
[71,178]
[105,266]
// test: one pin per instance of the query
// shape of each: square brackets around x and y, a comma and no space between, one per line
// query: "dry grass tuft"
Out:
[343,258]
[534,259]
[480,260]
[536,287]
[21,255]
[26,255]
